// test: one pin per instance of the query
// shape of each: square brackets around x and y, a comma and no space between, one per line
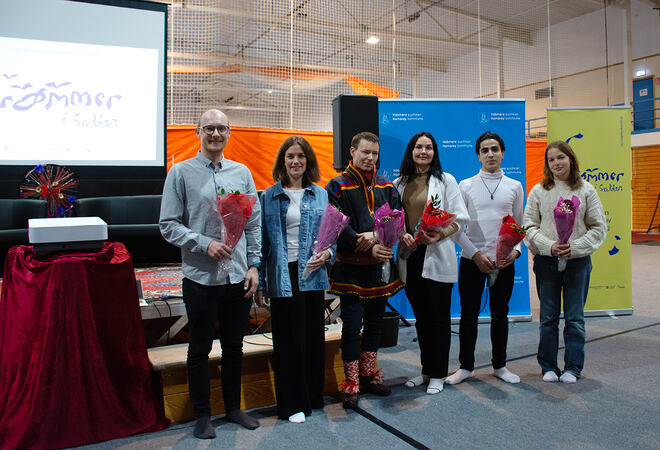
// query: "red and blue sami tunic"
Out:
[359,273]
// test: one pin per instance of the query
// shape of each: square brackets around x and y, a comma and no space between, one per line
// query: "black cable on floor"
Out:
[387,427]
[419,445]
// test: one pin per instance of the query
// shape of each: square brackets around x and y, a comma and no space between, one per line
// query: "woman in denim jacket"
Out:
[291,215]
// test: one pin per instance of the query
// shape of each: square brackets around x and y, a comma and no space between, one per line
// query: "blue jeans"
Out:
[550,283]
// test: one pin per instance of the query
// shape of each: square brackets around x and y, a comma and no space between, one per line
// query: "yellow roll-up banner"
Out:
[600,138]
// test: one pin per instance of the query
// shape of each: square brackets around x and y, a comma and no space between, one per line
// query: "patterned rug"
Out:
[156,281]
[159,281]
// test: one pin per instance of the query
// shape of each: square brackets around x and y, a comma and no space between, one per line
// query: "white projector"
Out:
[67,233]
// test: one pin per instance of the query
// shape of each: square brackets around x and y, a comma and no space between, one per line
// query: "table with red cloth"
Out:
[74,367]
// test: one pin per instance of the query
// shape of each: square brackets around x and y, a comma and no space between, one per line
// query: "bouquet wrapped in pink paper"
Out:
[388,228]
[235,210]
[565,213]
[332,225]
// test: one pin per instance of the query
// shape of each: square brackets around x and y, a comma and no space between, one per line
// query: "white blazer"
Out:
[440,261]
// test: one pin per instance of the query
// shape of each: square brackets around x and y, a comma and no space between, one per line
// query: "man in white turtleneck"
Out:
[489,197]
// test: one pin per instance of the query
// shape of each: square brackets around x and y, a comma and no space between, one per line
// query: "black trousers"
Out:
[205,305]
[471,282]
[357,313]
[431,303]
[298,349]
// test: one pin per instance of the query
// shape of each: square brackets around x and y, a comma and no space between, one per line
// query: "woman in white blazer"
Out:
[432,269]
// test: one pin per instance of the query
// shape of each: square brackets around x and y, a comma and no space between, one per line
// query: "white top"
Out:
[440,260]
[486,214]
[590,227]
[293,223]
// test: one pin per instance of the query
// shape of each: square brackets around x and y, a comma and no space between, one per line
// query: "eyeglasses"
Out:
[210,129]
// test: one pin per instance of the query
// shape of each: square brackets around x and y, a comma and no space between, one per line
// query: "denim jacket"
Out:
[274,270]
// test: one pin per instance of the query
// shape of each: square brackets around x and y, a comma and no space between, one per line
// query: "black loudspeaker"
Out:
[351,114]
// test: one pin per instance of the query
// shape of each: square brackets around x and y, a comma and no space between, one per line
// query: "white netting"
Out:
[279,63]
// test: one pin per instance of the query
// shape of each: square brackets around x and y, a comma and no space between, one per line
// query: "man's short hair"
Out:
[366,135]
[199,119]
[489,135]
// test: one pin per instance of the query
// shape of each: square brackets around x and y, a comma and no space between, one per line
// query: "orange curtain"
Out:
[534,156]
[257,147]
[364,87]
[254,147]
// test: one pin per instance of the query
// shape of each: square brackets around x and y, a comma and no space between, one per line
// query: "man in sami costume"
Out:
[357,275]
[489,197]
[190,220]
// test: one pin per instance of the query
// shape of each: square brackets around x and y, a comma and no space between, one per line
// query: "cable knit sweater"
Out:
[589,229]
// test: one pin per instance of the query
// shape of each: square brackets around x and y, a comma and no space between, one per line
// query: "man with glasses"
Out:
[190,220]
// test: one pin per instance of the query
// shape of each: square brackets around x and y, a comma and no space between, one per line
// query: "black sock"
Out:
[239,417]
[203,428]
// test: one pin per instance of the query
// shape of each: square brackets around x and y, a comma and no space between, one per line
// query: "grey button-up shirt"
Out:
[190,220]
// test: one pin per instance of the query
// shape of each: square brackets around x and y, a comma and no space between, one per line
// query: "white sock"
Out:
[459,376]
[504,374]
[435,386]
[417,381]
[550,377]
[567,377]
[298,417]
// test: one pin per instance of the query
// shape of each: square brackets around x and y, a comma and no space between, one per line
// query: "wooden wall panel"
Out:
[645,186]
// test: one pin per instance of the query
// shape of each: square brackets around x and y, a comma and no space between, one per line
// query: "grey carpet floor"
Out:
[615,405]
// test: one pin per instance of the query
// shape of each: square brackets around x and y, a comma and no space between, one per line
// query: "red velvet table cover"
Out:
[74,367]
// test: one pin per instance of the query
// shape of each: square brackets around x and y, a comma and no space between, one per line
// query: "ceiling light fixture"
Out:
[640,73]
[373,40]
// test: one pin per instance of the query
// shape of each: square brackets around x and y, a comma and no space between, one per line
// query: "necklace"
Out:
[492,193]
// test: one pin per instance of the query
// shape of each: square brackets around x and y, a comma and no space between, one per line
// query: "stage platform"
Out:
[258,381]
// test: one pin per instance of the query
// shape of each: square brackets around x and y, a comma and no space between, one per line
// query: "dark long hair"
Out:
[574,180]
[312,172]
[408,168]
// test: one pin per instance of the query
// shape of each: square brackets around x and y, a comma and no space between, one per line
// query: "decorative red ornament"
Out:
[54,183]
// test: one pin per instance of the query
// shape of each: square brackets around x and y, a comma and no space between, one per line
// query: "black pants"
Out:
[431,304]
[359,313]
[298,349]
[471,283]
[205,305]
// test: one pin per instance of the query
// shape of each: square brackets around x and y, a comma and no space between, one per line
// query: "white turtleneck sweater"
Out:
[486,214]
[590,227]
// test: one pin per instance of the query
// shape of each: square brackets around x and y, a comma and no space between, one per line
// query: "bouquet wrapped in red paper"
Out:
[235,210]
[565,213]
[332,225]
[388,228]
[433,219]
[510,235]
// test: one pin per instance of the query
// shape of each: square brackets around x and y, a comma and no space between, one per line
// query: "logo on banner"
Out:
[385,119]
[576,136]
[483,118]
[597,176]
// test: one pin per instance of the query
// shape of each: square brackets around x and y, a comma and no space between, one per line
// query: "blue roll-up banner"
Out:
[456,125]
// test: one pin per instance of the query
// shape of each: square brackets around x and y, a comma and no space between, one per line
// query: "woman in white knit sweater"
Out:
[562,179]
